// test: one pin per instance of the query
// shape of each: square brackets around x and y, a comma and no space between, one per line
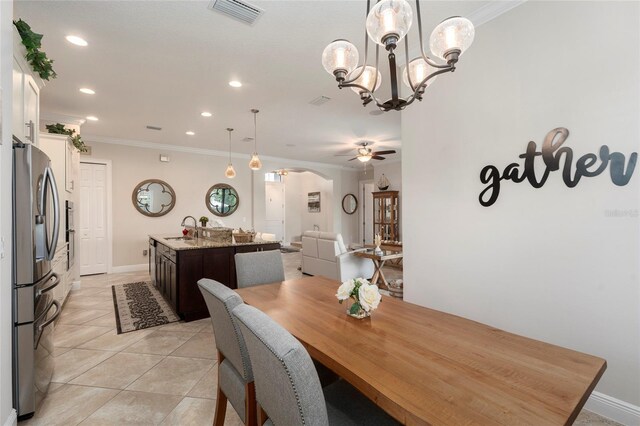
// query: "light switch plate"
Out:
[1,247]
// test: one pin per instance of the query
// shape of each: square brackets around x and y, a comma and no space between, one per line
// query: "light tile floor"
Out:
[164,375]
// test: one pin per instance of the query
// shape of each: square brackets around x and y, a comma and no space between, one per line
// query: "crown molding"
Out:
[216,153]
[62,118]
[492,10]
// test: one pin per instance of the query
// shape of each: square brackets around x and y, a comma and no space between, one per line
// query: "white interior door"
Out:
[93,219]
[274,215]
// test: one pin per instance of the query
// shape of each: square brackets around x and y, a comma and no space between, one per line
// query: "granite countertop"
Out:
[200,243]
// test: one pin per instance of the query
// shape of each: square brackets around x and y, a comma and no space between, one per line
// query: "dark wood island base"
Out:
[175,268]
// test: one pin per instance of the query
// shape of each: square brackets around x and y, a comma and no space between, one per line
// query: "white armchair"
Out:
[324,253]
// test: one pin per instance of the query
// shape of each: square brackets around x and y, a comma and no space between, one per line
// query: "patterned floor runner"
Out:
[139,305]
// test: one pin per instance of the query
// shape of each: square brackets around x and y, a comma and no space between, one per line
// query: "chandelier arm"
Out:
[366,50]
[406,58]
[422,84]
[365,90]
[424,56]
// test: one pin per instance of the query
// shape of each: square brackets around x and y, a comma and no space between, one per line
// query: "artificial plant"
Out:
[59,129]
[38,59]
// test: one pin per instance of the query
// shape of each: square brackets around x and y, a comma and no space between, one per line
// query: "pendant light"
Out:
[255,163]
[230,172]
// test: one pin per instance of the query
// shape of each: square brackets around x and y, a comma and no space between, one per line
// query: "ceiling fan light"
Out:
[255,163]
[364,158]
[418,69]
[366,79]
[340,56]
[389,21]
[451,35]
[230,172]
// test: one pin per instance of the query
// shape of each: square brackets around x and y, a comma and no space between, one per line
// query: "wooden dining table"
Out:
[423,366]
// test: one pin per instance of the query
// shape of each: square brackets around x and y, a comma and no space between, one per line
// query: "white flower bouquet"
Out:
[365,296]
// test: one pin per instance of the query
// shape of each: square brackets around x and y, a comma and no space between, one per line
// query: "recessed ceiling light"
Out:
[235,83]
[205,114]
[190,133]
[92,118]
[78,41]
[87,91]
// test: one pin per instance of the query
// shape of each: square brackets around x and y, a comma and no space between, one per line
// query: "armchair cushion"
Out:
[324,253]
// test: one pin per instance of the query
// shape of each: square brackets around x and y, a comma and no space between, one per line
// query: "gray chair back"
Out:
[287,385]
[220,301]
[261,267]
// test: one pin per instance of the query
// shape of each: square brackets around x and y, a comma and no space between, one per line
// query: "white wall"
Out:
[191,175]
[548,263]
[6,67]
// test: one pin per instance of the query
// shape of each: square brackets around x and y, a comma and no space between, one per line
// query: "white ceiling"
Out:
[161,63]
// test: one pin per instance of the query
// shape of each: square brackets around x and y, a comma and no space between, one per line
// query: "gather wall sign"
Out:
[551,153]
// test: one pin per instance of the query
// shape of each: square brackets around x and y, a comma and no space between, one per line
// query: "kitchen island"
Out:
[176,264]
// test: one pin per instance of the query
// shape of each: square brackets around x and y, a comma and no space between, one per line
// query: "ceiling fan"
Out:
[365,153]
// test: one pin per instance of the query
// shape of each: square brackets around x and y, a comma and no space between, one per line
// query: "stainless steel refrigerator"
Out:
[36,223]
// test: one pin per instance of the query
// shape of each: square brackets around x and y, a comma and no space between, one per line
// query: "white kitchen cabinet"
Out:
[26,95]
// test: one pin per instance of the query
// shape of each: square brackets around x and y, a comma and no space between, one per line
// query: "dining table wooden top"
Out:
[424,366]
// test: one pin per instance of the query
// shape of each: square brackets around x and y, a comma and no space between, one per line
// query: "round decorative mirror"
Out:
[153,197]
[349,204]
[222,199]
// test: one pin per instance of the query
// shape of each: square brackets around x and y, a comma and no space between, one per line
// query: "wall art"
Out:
[552,152]
[313,202]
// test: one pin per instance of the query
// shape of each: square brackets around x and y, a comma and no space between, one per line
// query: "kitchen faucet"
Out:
[316,228]
[195,224]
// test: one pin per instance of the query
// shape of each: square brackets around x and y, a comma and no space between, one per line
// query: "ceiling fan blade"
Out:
[377,157]
[351,159]
[390,151]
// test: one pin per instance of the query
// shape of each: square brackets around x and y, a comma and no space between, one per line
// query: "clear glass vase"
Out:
[357,312]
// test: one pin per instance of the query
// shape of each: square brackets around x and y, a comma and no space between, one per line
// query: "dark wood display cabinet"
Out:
[175,273]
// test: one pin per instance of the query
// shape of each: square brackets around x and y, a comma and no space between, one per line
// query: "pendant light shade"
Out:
[230,172]
[255,163]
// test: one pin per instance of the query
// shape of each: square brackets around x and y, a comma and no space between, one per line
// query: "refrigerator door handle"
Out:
[50,287]
[49,179]
[47,322]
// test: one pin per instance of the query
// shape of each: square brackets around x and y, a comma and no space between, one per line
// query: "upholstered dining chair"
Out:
[260,267]
[288,390]
[235,377]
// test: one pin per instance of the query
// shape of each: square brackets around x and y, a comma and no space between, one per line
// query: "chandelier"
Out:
[387,23]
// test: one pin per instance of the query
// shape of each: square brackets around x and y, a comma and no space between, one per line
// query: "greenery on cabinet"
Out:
[59,129]
[32,41]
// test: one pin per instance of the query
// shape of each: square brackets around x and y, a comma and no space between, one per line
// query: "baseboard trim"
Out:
[12,420]
[129,268]
[613,408]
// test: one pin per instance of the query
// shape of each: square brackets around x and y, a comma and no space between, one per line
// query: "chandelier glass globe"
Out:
[418,69]
[452,34]
[340,56]
[366,79]
[255,163]
[389,21]
[230,172]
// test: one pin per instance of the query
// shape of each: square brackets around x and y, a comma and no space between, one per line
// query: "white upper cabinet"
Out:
[26,95]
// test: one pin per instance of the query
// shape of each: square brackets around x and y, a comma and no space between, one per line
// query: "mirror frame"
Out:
[215,187]
[166,188]
[354,199]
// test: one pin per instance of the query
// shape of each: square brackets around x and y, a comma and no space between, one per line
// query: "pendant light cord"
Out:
[255,132]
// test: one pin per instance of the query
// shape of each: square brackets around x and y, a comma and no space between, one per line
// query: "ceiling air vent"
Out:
[247,139]
[320,100]
[240,10]
[154,128]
